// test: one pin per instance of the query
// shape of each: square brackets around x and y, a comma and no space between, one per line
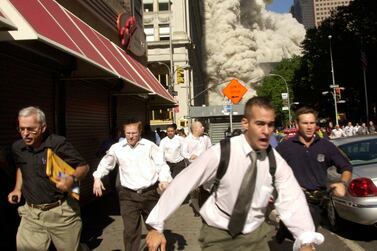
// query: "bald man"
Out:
[193,146]
[196,142]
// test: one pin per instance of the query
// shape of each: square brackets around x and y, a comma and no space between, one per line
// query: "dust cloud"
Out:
[242,40]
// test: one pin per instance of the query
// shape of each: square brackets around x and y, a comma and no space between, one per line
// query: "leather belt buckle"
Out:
[46,207]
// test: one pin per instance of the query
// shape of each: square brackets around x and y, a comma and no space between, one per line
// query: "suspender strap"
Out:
[223,165]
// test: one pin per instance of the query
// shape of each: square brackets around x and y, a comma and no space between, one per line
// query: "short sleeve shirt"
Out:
[310,164]
[36,185]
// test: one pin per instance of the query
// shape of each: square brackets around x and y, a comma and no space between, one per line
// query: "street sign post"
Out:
[234,91]
[284,95]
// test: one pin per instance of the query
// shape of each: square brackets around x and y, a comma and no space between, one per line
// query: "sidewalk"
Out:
[103,227]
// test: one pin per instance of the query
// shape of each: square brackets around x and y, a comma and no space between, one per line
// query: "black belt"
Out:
[315,196]
[174,163]
[142,190]
[46,206]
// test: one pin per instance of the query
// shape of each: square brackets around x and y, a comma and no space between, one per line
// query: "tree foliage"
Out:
[353,29]
[273,85]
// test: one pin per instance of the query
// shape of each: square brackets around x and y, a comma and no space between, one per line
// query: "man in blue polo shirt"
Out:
[310,156]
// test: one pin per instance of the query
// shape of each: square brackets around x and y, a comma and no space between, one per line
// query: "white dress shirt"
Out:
[337,133]
[290,204]
[195,145]
[349,131]
[140,166]
[172,148]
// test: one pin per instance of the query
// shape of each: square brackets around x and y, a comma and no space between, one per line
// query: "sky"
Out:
[281,6]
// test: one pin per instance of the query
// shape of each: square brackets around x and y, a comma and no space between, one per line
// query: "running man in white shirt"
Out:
[196,142]
[171,146]
[142,170]
[194,145]
[258,121]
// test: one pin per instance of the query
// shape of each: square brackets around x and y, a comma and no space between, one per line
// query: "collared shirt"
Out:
[172,148]
[290,204]
[195,145]
[36,185]
[337,133]
[310,164]
[348,130]
[140,166]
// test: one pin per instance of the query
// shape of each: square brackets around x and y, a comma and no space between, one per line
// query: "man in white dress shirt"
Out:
[194,145]
[196,142]
[258,121]
[171,145]
[142,170]
[337,132]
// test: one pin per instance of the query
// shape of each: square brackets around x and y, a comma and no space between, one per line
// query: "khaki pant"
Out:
[61,225]
[214,239]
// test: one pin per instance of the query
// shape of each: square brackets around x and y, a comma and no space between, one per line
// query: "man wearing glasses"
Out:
[48,214]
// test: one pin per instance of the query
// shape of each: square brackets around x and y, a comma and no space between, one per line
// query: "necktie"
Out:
[242,206]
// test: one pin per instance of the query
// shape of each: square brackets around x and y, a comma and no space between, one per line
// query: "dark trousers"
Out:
[283,232]
[176,168]
[133,206]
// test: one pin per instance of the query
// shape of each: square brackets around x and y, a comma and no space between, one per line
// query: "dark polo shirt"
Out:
[310,164]
[36,186]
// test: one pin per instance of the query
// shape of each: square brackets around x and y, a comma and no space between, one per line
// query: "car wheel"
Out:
[334,220]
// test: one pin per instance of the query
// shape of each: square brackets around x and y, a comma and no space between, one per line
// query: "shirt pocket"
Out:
[261,196]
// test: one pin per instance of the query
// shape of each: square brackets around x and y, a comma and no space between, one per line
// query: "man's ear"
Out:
[44,127]
[244,123]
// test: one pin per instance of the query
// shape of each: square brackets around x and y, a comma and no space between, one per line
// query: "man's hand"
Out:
[98,187]
[162,186]
[307,247]
[16,193]
[65,183]
[154,240]
[193,157]
[338,189]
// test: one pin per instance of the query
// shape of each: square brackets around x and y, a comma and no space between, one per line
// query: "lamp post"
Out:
[287,89]
[333,86]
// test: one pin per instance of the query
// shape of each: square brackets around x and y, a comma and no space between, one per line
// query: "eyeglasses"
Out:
[28,130]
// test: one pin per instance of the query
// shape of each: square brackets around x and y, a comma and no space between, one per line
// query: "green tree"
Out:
[273,86]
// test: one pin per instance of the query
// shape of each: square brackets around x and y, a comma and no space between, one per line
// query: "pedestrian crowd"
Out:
[244,176]
[351,130]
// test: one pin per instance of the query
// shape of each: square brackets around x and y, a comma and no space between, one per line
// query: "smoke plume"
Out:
[242,38]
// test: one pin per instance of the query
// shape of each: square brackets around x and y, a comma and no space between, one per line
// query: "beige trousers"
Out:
[214,239]
[61,225]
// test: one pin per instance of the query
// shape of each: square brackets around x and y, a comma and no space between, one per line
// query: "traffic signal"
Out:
[180,75]
[338,93]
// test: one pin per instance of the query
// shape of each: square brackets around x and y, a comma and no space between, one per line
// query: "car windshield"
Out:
[361,152]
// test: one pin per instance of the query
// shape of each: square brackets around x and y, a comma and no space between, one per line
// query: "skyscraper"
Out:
[312,12]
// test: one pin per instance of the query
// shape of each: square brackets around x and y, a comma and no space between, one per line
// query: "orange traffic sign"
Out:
[234,91]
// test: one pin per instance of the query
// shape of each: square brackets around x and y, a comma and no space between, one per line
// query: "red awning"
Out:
[56,26]
[5,23]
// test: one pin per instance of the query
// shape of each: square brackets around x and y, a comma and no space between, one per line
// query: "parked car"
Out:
[360,203]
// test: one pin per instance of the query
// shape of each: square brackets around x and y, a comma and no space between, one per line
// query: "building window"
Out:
[149,32]
[148,5]
[164,30]
[163,5]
